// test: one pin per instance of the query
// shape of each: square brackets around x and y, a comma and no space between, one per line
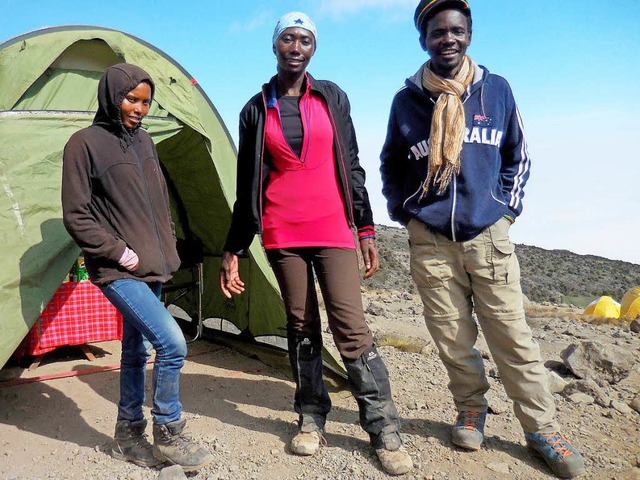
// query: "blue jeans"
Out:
[144,316]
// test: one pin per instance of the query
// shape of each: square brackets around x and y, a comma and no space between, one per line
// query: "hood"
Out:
[116,82]
[480,74]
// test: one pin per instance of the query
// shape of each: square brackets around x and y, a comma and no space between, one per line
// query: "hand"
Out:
[229,277]
[370,256]
[129,260]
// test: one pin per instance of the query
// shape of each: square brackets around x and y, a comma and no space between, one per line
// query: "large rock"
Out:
[593,359]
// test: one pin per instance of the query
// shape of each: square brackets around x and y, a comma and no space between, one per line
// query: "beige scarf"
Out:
[447,125]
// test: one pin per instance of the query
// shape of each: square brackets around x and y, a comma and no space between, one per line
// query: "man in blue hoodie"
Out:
[454,165]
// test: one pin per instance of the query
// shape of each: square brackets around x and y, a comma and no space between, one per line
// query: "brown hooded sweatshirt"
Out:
[113,192]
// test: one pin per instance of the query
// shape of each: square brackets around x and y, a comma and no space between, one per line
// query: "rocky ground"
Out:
[240,408]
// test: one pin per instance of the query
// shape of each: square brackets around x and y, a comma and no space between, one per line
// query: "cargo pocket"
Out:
[503,258]
[427,269]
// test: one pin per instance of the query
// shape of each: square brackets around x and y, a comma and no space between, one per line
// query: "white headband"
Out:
[294,19]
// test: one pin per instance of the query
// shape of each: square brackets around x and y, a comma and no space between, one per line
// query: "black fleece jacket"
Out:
[113,192]
[253,164]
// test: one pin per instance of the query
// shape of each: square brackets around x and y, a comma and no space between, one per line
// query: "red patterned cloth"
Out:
[77,314]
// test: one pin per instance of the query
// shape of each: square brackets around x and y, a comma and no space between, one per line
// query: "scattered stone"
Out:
[591,388]
[174,472]
[375,309]
[498,467]
[621,407]
[428,350]
[635,404]
[498,407]
[556,383]
[632,382]
[635,326]
[572,332]
[581,398]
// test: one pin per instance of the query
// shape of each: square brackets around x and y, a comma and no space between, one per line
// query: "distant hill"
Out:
[557,276]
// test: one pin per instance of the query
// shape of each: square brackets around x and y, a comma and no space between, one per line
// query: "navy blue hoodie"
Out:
[494,165]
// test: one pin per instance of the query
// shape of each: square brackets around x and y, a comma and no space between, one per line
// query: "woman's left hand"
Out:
[229,275]
[370,256]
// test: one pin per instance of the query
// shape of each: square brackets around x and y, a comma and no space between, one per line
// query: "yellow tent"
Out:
[630,308]
[604,307]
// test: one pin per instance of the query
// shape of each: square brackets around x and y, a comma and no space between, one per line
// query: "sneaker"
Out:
[395,462]
[563,460]
[307,443]
[468,432]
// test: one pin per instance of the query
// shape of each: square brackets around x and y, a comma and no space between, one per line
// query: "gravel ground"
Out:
[241,409]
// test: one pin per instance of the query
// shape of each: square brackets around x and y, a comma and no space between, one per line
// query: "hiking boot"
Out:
[171,446]
[394,458]
[563,459]
[468,432]
[307,443]
[131,445]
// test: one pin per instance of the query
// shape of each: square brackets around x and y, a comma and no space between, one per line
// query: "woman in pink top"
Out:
[300,186]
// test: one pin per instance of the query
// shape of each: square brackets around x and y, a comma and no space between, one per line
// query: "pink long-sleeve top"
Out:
[304,206]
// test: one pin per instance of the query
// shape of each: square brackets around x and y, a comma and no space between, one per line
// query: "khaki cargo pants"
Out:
[482,275]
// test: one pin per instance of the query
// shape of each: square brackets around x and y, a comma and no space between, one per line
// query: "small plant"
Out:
[536,310]
[406,344]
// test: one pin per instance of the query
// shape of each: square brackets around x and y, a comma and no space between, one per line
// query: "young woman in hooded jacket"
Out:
[116,207]
[301,186]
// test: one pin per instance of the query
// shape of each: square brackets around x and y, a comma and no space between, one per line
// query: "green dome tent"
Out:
[49,82]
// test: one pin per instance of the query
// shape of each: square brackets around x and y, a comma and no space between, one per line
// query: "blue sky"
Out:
[574,66]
